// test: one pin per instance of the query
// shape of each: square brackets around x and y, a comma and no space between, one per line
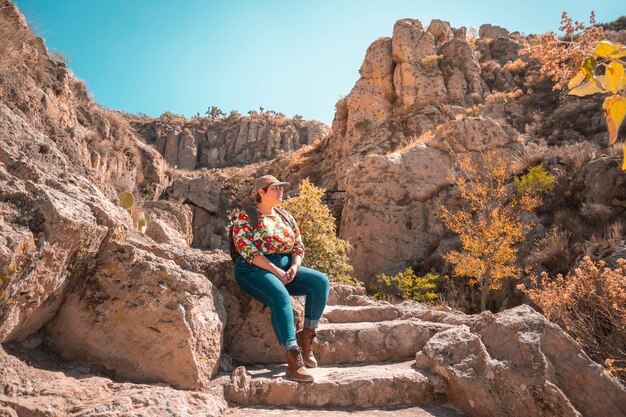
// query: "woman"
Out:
[270,269]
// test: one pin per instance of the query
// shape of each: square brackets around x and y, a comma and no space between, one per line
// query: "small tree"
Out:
[324,251]
[489,224]
[215,113]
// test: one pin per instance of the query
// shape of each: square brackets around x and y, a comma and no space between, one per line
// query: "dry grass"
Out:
[552,252]
[604,242]
[590,305]
[573,155]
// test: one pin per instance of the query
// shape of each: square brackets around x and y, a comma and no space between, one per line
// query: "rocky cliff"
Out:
[227,141]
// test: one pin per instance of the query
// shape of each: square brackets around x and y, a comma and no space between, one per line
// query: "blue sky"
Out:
[296,57]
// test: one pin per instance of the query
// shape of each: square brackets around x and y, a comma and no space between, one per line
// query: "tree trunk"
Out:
[483,297]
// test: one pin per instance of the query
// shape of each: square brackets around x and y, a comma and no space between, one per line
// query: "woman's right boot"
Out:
[295,366]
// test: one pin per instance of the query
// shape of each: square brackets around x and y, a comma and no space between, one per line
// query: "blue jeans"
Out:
[269,290]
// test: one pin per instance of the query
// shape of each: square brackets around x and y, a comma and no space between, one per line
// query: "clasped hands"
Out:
[286,276]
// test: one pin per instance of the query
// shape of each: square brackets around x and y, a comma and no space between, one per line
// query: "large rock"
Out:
[248,334]
[169,222]
[391,214]
[370,100]
[601,181]
[461,72]
[54,388]
[46,240]
[492,31]
[517,363]
[142,318]
[416,82]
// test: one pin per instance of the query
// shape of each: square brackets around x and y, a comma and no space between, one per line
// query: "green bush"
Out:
[405,285]
[323,250]
[536,181]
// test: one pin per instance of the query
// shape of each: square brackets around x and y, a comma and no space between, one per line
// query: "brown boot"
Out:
[305,338]
[295,366]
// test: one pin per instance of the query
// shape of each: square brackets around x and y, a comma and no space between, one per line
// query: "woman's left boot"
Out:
[305,339]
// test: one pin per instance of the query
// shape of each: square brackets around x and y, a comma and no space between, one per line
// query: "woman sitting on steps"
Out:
[269,269]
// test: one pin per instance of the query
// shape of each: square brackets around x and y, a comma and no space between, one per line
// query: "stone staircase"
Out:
[366,353]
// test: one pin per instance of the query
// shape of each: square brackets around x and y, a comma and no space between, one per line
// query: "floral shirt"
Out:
[272,235]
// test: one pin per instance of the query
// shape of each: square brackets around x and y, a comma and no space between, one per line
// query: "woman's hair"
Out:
[258,196]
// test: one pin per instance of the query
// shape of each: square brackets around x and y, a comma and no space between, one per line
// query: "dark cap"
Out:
[267,181]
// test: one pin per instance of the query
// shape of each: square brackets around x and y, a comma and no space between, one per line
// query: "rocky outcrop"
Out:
[391,213]
[136,309]
[517,363]
[71,263]
[247,334]
[224,142]
[169,222]
[402,78]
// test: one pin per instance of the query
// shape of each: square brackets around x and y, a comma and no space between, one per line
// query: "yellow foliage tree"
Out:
[489,223]
[324,251]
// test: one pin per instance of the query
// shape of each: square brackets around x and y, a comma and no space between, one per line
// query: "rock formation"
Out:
[72,266]
[223,142]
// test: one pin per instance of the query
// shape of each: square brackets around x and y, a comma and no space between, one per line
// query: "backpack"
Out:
[253,216]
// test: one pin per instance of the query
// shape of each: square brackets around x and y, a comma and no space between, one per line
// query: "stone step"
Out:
[343,294]
[353,314]
[343,343]
[366,386]
[423,411]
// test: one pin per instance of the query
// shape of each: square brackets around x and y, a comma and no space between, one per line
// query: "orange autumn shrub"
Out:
[590,305]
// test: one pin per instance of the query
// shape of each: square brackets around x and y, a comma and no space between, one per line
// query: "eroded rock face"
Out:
[69,252]
[416,81]
[404,82]
[46,241]
[137,309]
[517,360]
[391,214]
[235,140]
[169,222]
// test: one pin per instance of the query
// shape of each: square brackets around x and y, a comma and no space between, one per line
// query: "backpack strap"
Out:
[253,216]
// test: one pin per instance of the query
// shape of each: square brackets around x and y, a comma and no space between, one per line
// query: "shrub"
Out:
[60,57]
[324,251]
[406,285]
[137,213]
[215,113]
[533,185]
[590,305]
